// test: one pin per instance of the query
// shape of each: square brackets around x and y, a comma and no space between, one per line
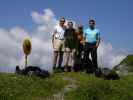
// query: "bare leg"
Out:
[67,56]
[72,58]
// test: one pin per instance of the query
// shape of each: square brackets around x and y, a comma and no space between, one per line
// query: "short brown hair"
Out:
[62,18]
[92,20]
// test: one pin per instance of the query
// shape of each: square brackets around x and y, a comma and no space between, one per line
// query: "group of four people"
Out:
[75,43]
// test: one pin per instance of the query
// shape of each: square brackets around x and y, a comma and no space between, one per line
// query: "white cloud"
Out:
[46,22]
[109,56]
[11,40]
[43,18]
[10,46]
[11,52]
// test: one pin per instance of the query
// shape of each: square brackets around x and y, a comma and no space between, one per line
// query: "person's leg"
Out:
[60,59]
[67,58]
[56,45]
[73,54]
[80,56]
[94,59]
[61,53]
[55,59]
[86,53]
[80,49]
[87,60]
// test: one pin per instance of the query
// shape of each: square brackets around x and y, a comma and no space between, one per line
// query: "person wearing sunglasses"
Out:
[58,43]
[92,41]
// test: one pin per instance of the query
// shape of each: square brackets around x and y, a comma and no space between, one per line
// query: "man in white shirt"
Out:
[58,43]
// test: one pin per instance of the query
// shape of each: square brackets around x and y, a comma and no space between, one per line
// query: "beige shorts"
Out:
[58,45]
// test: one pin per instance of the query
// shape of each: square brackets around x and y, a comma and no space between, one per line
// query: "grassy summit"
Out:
[64,86]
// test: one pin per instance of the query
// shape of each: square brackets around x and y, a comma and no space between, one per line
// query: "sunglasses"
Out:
[62,21]
[91,23]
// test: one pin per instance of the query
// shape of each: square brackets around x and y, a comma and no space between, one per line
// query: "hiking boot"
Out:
[89,71]
[98,72]
[54,68]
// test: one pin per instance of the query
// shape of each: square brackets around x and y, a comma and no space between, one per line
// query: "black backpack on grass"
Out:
[107,74]
[32,70]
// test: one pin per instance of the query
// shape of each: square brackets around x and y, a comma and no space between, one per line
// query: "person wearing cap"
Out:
[58,43]
[92,41]
[70,46]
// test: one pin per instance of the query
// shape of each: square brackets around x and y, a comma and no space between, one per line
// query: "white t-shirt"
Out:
[58,32]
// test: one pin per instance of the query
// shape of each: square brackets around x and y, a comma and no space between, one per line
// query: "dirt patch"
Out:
[67,88]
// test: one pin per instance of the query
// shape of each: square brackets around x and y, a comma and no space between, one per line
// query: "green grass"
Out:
[92,88]
[16,87]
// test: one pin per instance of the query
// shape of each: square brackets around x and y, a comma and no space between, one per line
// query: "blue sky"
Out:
[113,17]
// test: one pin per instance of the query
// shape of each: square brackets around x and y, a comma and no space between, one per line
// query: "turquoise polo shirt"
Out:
[91,35]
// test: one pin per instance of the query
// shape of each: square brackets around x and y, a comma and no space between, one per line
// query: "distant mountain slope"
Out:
[126,66]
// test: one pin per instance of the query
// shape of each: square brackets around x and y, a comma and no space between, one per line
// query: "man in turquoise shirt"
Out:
[92,41]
